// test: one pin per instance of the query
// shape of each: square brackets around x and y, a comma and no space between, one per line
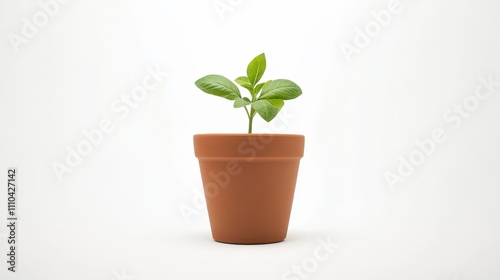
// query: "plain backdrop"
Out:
[121,211]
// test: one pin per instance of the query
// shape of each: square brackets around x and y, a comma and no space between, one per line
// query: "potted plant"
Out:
[249,179]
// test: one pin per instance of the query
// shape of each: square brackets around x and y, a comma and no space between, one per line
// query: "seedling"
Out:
[266,98]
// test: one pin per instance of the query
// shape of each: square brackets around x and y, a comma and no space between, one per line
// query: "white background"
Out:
[118,215]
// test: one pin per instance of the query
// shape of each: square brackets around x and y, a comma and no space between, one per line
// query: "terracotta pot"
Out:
[249,183]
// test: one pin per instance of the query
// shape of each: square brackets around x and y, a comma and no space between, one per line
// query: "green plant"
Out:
[267,98]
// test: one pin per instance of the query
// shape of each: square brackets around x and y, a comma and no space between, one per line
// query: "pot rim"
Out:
[248,145]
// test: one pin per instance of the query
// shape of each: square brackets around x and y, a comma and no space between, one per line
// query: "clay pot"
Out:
[249,183]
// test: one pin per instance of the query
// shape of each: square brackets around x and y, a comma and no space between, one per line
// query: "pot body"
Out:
[249,184]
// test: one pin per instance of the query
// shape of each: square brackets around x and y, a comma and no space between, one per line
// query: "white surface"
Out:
[118,212]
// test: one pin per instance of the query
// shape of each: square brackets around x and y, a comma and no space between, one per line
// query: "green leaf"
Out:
[244,82]
[280,89]
[260,86]
[278,103]
[218,85]
[265,109]
[241,102]
[256,69]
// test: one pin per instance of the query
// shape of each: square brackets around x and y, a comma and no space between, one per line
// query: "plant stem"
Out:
[250,120]
[252,111]
[246,110]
